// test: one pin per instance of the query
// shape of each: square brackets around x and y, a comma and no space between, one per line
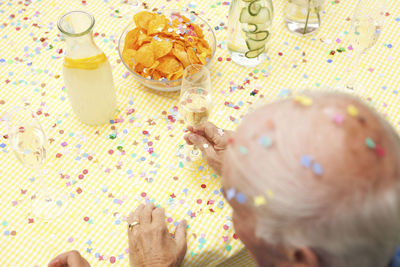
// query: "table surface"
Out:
[123,172]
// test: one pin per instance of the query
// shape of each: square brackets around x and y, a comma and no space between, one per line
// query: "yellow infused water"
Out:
[90,88]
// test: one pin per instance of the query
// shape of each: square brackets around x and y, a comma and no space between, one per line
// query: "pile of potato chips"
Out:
[160,49]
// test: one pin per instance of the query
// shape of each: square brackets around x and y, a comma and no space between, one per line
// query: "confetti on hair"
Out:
[241,198]
[259,200]
[243,150]
[370,143]
[317,169]
[205,146]
[352,110]
[220,131]
[270,194]
[380,151]
[304,100]
[230,193]
[265,141]
[338,119]
[306,160]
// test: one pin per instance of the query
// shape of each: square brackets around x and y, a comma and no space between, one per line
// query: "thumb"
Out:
[180,235]
[55,263]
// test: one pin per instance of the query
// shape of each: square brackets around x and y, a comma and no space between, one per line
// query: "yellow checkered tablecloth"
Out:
[121,172]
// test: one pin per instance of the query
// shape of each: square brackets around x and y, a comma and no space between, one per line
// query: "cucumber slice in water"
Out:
[255,44]
[255,7]
[255,53]
[258,36]
[262,17]
[249,28]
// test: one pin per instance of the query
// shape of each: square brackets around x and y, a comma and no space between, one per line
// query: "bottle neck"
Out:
[81,46]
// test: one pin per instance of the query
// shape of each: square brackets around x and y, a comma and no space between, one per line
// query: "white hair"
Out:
[348,221]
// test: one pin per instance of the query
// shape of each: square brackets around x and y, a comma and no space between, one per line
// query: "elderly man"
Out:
[312,181]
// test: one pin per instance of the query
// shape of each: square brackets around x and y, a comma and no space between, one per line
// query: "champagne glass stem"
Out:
[351,81]
[43,189]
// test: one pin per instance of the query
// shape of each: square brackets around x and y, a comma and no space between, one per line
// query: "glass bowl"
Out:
[166,85]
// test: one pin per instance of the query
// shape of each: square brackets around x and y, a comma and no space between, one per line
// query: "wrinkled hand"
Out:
[211,140]
[150,243]
[69,259]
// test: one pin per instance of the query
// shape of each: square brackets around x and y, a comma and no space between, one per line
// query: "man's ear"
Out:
[303,257]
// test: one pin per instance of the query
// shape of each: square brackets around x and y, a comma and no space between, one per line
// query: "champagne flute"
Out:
[29,144]
[195,99]
[366,26]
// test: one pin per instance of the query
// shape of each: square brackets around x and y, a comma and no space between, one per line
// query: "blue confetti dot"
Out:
[317,169]
[306,160]
[240,198]
[2,145]
[6,232]
[397,19]
[329,60]
[389,46]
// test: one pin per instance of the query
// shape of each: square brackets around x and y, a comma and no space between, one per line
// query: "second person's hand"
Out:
[211,140]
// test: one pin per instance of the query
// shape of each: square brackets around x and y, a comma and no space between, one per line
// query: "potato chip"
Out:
[139,68]
[143,18]
[127,56]
[169,65]
[143,39]
[161,48]
[193,59]
[131,39]
[179,52]
[156,25]
[144,56]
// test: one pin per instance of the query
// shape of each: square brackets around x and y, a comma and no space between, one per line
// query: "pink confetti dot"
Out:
[81,176]
[199,201]
[85,171]
[143,194]
[112,259]
[226,227]
[70,239]
[338,119]
[86,219]
[169,220]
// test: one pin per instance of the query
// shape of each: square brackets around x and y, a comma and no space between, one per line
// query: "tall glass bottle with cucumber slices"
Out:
[249,30]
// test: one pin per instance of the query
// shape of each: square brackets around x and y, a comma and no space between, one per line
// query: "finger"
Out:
[55,263]
[70,258]
[145,214]
[158,216]
[135,215]
[180,235]
[204,145]
[186,137]
[210,132]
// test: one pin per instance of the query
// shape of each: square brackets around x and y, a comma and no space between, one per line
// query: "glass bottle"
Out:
[87,72]
[249,30]
[303,17]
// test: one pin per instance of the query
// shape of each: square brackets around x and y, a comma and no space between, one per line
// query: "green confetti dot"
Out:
[113,136]
[370,143]
[180,164]
[120,148]
[133,155]
[243,150]
[228,248]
